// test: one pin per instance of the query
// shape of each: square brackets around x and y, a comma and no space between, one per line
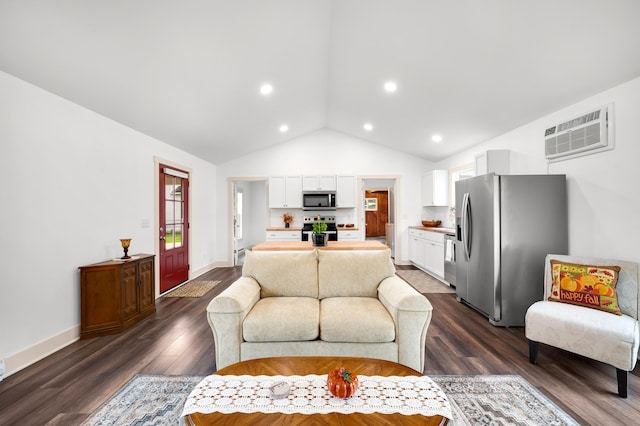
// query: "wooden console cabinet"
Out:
[115,295]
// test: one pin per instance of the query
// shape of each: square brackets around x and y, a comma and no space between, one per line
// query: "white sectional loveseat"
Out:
[320,303]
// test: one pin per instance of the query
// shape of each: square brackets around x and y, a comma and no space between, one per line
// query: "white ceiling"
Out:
[188,72]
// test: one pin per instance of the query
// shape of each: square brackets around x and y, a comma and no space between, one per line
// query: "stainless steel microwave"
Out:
[319,200]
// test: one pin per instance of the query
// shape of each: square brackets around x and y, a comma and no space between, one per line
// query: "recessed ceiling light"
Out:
[368,127]
[266,89]
[390,86]
[284,128]
[436,138]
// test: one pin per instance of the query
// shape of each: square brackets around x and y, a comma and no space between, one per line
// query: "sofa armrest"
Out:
[411,313]
[225,314]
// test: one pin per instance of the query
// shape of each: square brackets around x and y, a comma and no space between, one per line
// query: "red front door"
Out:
[174,227]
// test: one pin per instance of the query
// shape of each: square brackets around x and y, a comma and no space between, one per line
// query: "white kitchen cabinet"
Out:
[319,183]
[417,247]
[284,235]
[426,251]
[285,192]
[349,235]
[346,192]
[435,188]
[492,161]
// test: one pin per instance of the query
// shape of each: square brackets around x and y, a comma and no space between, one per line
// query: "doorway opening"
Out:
[376,214]
[248,215]
[380,209]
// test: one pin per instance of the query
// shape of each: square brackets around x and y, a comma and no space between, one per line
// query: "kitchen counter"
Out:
[345,228]
[450,231]
[307,245]
[282,228]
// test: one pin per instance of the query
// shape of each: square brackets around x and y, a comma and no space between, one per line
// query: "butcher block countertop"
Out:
[450,231]
[308,245]
[282,228]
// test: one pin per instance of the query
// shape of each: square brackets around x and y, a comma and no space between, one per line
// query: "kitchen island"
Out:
[307,245]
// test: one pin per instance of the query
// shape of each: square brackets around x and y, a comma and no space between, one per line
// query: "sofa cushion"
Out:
[585,285]
[282,319]
[355,319]
[346,273]
[283,274]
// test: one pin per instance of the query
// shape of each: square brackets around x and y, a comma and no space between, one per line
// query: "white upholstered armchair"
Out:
[603,336]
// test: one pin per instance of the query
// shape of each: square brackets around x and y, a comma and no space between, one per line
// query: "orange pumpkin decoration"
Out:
[342,383]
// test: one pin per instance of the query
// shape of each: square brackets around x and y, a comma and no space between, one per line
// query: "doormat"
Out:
[193,289]
[475,400]
[423,282]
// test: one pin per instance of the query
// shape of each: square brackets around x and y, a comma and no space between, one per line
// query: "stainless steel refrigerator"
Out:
[505,226]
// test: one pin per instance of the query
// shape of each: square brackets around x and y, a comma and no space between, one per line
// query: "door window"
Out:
[174,212]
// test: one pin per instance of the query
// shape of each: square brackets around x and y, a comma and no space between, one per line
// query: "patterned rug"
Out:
[500,400]
[475,400]
[193,289]
[146,400]
[423,282]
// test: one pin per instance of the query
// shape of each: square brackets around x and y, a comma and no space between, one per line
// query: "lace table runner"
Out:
[406,395]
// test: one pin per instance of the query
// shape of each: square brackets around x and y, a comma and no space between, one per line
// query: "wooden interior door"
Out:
[174,227]
[377,219]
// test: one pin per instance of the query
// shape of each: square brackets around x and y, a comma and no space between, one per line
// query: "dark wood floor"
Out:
[66,387]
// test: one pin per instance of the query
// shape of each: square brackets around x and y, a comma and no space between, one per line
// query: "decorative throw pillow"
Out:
[585,285]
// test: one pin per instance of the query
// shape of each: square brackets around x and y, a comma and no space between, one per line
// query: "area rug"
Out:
[193,289]
[423,282]
[500,400]
[146,400]
[476,400]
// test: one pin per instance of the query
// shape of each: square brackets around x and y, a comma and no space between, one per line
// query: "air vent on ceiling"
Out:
[586,134]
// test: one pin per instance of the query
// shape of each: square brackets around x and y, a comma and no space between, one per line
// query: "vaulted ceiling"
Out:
[189,72]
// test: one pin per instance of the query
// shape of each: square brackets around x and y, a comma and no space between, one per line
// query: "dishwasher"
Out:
[450,259]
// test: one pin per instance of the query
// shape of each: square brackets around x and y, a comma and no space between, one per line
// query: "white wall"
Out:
[74,184]
[328,152]
[604,196]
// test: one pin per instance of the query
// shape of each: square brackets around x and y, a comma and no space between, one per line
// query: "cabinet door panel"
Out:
[293,192]
[100,299]
[277,192]
[417,251]
[327,183]
[435,186]
[129,277]
[147,286]
[434,258]
[346,193]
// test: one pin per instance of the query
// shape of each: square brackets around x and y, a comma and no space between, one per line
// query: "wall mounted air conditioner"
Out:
[586,134]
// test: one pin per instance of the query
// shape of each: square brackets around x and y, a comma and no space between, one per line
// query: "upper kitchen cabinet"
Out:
[285,192]
[346,195]
[319,183]
[492,161]
[435,188]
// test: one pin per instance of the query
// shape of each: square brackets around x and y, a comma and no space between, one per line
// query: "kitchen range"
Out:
[307,227]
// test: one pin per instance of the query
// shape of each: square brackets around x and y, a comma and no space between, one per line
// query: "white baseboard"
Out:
[197,272]
[40,350]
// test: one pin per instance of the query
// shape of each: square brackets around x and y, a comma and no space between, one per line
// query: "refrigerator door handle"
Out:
[466,226]
[497,259]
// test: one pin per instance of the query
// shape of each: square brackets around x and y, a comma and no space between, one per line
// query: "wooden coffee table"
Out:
[314,365]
